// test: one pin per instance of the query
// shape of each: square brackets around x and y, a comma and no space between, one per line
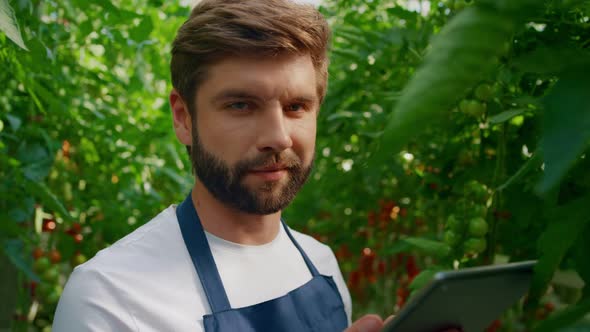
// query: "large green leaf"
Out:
[551,60]
[462,54]
[567,125]
[430,247]
[566,224]
[582,250]
[14,249]
[9,25]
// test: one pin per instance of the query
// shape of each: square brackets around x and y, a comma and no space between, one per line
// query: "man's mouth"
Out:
[272,168]
[270,173]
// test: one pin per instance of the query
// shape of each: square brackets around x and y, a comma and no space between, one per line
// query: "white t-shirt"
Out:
[147,281]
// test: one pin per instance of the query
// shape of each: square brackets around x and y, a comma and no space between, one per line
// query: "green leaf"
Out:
[423,279]
[566,224]
[15,252]
[396,248]
[532,162]
[143,30]
[506,115]
[429,247]
[554,60]
[9,25]
[564,318]
[15,122]
[566,126]
[462,54]
[41,191]
[581,252]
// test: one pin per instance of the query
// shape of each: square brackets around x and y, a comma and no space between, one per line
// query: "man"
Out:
[249,77]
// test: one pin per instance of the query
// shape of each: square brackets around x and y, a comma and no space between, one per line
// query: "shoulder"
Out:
[320,254]
[113,287]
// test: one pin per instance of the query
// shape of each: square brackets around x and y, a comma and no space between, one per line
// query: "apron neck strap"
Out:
[202,258]
[200,252]
[314,272]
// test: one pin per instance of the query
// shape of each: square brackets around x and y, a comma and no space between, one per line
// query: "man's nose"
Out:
[273,130]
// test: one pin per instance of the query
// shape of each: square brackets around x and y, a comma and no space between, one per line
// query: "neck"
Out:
[230,224]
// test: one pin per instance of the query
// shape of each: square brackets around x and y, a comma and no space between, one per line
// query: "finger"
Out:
[367,323]
[388,319]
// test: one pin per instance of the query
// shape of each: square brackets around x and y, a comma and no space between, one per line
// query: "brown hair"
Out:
[217,29]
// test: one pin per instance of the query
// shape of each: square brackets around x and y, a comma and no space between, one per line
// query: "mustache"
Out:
[289,160]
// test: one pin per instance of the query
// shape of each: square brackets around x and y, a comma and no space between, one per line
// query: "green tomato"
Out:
[454,224]
[472,107]
[475,246]
[478,191]
[451,238]
[464,105]
[53,297]
[78,259]
[484,92]
[478,211]
[478,227]
[46,290]
[476,109]
[51,274]
[41,265]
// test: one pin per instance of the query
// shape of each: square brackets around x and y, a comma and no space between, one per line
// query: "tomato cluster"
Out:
[465,230]
[475,105]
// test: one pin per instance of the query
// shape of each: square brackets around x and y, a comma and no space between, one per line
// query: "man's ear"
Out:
[182,118]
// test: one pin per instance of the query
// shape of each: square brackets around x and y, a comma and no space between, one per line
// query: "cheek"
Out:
[304,136]
[224,137]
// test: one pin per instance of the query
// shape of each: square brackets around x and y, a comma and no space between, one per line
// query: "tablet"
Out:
[470,298]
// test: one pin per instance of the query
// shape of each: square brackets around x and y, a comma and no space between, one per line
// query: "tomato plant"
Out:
[454,134]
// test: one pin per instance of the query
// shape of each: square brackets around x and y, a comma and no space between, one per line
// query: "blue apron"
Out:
[315,306]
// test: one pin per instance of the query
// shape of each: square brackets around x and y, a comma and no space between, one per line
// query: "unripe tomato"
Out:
[454,224]
[472,107]
[476,108]
[41,264]
[451,238]
[475,246]
[484,92]
[478,211]
[53,297]
[478,227]
[78,259]
[51,275]
[477,190]
[44,289]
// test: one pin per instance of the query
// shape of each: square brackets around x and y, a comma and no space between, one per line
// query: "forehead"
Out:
[267,77]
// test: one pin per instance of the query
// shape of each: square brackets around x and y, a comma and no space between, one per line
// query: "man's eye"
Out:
[238,106]
[296,107]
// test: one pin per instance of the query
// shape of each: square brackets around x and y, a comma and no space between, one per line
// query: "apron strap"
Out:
[200,252]
[314,272]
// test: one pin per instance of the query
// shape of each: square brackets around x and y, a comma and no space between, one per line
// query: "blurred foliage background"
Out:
[454,134]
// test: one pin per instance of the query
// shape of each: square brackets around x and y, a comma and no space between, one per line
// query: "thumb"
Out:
[367,323]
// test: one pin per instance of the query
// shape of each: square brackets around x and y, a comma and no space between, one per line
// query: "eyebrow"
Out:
[243,94]
[234,94]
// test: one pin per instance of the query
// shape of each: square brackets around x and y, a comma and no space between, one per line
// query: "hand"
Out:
[367,323]
[374,323]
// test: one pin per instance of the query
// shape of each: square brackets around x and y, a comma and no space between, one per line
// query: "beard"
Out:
[226,183]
